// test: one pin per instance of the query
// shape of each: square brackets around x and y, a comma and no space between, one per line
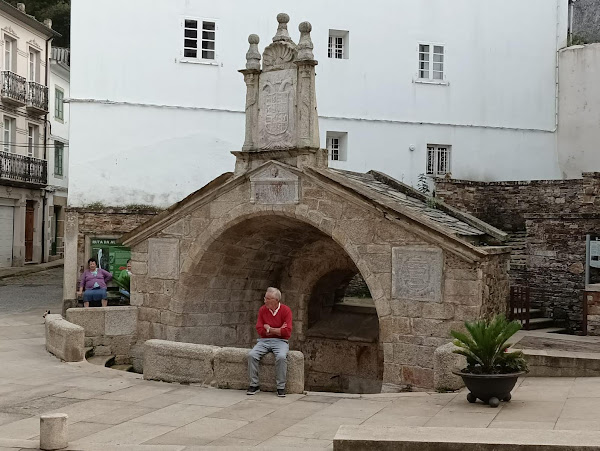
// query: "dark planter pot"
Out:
[490,388]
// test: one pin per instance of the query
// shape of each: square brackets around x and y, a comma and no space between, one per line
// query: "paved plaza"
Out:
[110,409]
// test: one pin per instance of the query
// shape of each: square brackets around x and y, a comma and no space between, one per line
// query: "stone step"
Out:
[102,360]
[361,437]
[128,368]
[552,330]
[540,323]
[533,313]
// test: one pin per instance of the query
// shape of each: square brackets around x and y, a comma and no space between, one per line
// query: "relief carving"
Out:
[274,185]
[417,273]
[276,116]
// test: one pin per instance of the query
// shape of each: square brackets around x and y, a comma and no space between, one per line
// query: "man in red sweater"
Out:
[274,326]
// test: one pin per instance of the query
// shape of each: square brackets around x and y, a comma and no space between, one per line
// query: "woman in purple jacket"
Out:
[94,281]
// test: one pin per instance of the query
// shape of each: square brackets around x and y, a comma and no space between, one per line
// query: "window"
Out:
[32,141]
[9,135]
[431,62]
[336,145]
[33,59]
[59,97]
[201,32]
[338,44]
[58,158]
[9,53]
[438,160]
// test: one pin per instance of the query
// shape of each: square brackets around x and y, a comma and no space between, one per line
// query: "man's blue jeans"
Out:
[277,346]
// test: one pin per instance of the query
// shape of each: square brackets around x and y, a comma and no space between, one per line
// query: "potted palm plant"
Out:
[491,371]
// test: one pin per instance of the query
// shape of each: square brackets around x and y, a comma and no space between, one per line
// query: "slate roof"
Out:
[403,201]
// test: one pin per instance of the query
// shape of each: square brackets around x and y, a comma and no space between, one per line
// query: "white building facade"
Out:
[25,45]
[466,88]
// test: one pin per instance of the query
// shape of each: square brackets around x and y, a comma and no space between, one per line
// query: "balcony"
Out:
[14,88]
[37,98]
[19,170]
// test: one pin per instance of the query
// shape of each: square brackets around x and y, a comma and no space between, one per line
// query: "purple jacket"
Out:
[88,279]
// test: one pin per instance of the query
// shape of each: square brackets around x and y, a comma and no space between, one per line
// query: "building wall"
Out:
[12,195]
[579,106]
[497,106]
[586,21]
[556,216]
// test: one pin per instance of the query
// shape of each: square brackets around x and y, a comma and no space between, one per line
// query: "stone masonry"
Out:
[556,216]
[284,219]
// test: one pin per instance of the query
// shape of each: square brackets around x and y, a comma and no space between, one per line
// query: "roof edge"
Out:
[28,20]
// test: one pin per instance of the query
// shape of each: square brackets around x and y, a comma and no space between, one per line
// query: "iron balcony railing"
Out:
[22,169]
[14,87]
[37,96]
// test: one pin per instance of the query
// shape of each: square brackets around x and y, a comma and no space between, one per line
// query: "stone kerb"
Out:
[109,330]
[64,339]
[444,362]
[226,367]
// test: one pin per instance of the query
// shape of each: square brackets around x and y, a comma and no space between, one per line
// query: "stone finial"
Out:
[253,55]
[48,23]
[305,45]
[21,7]
[282,31]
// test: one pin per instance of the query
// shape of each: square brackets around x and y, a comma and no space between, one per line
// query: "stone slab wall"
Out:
[593,312]
[64,339]
[556,215]
[215,366]
[109,330]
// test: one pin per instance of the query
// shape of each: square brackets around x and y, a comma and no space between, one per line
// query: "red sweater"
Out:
[265,316]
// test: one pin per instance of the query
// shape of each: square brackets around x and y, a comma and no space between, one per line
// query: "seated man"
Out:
[274,326]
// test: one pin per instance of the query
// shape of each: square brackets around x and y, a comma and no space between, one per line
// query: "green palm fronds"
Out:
[486,346]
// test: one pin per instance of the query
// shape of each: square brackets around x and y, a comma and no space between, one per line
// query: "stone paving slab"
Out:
[114,410]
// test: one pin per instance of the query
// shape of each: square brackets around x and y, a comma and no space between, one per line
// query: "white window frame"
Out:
[428,57]
[9,53]
[338,44]
[33,133]
[200,40]
[438,161]
[59,106]
[9,134]
[337,146]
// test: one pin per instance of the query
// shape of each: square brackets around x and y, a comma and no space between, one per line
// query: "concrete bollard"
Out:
[53,431]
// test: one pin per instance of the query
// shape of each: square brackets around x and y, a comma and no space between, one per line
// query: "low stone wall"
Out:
[64,339]
[172,361]
[109,330]
[549,363]
[444,362]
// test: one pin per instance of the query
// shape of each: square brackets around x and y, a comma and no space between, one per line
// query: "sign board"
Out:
[111,256]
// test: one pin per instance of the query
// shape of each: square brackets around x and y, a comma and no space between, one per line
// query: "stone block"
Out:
[438,311]
[444,362]
[179,362]
[163,258]
[120,320]
[417,376]
[53,431]
[64,339]
[91,319]
[231,370]
[417,273]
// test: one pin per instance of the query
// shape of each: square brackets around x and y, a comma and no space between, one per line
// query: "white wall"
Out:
[497,112]
[579,106]
[59,129]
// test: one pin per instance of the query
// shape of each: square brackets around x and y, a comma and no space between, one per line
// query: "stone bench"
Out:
[64,339]
[360,437]
[109,330]
[221,367]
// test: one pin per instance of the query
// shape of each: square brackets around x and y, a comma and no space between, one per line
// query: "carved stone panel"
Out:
[276,116]
[274,185]
[417,273]
[163,258]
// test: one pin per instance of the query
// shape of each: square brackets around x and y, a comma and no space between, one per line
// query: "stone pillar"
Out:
[308,126]
[71,269]
[251,76]
[53,431]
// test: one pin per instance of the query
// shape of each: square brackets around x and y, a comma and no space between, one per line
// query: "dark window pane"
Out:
[208,25]
[208,54]
[190,43]
[189,53]
[208,45]
[208,35]
[191,23]
[191,33]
